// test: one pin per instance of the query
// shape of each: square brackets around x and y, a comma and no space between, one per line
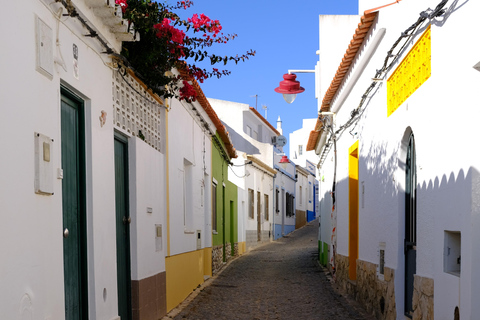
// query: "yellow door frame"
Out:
[353,210]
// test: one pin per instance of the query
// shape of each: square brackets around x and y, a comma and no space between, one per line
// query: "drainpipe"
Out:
[295,192]
[223,222]
[223,214]
[273,198]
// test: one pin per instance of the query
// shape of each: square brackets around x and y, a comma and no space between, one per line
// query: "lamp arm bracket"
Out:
[329,113]
[300,71]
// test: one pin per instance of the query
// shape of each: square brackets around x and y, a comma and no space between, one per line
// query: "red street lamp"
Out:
[284,162]
[289,87]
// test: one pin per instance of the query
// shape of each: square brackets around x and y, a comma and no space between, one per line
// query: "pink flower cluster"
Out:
[198,73]
[176,37]
[123,4]
[212,26]
[187,92]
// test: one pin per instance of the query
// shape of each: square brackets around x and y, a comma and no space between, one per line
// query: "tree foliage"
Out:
[168,42]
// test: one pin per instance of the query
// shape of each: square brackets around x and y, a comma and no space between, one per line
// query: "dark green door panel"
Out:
[123,230]
[73,206]
[410,226]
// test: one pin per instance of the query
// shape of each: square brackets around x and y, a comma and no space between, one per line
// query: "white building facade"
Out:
[400,218]
[285,194]
[298,144]
[71,244]
[189,219]
[253,171]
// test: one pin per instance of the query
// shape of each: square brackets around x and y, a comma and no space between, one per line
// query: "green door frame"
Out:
[74,205]
[122,226]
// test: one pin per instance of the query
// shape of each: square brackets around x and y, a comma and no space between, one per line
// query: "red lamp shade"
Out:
[289,87]
[284,162]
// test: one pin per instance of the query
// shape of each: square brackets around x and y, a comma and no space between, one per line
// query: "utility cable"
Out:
[389,61]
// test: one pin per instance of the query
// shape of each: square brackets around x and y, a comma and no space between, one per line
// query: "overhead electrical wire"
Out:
[389,61]
[356,113]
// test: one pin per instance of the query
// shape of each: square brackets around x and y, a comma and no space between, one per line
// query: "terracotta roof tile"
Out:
[264,120]
[366,21]
[221,129]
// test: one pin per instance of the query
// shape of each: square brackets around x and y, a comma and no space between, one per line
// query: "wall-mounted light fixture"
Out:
[284,162]
[289,87]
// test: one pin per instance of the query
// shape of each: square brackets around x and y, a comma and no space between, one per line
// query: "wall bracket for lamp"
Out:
[329,113]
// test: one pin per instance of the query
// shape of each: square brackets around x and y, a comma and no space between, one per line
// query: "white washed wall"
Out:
[300,137]
[285,179]
[188,141]
[262,182]
[236,116]
[301,199]
[442,113]
[31,235]
[147,209]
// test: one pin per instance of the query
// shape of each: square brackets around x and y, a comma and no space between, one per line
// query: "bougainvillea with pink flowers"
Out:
[123,4]
[168,41]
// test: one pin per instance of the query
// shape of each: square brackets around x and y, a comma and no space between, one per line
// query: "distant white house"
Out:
[301,190]
[284,188]
[298,144]
[306,204]
[253,171]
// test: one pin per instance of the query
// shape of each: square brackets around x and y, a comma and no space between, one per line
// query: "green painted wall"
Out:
[227,226]
[323,253]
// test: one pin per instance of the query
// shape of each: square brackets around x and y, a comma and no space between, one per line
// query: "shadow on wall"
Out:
[448,207]
[380,167]
[240,142]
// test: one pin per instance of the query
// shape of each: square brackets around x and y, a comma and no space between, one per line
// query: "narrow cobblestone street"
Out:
[280,280]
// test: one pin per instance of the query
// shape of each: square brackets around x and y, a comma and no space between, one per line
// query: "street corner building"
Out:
[399,174]
[84,160]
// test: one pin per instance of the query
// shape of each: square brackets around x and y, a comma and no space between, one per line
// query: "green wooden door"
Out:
[410,246]
[123,230]
[73,206]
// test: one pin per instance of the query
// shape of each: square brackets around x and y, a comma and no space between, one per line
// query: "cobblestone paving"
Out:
[280,280]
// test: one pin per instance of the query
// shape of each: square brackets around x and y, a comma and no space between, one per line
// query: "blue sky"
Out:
[284,35]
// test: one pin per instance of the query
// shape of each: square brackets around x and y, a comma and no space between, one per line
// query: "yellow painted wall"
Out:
[242,247]
[184,273]
[207,261]
[353,210]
